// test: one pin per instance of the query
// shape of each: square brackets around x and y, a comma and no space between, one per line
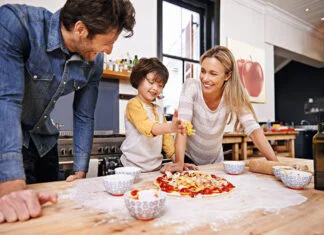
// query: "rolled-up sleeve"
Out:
[137,115]
[84,106]
[249,123]
[187,97]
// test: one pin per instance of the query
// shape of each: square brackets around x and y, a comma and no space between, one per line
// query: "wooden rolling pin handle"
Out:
[265,167]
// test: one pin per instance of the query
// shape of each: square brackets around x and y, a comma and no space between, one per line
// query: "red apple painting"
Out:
[252,77]
[240,64]
[250,64]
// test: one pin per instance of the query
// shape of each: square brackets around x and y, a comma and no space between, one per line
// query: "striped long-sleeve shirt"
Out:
[205,147]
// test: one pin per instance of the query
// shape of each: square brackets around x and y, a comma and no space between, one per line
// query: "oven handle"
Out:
[71,161]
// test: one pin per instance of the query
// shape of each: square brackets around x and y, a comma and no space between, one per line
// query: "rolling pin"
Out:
[265,167]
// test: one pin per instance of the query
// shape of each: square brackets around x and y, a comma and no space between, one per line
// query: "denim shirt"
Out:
[35,70]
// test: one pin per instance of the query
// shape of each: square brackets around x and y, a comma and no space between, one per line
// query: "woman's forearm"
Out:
[180,147]
[261,142]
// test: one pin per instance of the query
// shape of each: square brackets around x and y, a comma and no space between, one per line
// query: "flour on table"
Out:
[252,193]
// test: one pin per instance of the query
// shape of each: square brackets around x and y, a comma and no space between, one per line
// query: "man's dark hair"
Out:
[148,65]
[99,16]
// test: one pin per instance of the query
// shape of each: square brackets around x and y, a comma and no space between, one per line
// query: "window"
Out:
[186,28]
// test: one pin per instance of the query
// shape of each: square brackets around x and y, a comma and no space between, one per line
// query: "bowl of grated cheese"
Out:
[234,167]
[145,204]
[296,179]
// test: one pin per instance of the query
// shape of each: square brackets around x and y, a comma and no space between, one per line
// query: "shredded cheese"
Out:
[189,127]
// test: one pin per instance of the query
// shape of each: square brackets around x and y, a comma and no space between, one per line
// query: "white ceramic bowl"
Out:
[296,179]
[117,185]
[148,205]
[277,170]
[234,167]
[129,170]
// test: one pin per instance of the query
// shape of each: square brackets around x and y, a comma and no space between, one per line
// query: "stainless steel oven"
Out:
[105,148]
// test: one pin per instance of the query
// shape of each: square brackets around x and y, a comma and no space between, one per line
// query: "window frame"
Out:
[209,11]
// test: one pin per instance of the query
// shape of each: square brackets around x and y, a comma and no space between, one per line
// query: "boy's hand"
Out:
[189,128]
[177,125]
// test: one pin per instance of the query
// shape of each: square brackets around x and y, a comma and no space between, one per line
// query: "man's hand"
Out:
[23,204]
[77,175]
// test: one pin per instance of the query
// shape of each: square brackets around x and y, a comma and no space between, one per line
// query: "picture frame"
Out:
[251,64]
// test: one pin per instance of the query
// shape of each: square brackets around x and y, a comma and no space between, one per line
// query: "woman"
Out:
[210,104]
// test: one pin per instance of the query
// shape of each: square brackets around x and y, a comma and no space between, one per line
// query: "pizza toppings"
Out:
[192,184]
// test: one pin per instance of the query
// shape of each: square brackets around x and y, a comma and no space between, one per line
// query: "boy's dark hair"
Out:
[148,65]
[99,16]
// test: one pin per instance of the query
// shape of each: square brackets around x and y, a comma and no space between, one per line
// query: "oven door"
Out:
[106,165]
[65,169]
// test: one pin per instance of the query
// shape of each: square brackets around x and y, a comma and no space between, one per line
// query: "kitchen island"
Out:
[263,205]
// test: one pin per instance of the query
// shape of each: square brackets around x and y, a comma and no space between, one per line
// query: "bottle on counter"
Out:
[268,125]
[135,60]
[318,155]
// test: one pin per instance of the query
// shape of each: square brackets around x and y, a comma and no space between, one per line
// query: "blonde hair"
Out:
[236,97]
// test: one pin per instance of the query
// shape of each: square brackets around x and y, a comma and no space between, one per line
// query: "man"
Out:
[44,56]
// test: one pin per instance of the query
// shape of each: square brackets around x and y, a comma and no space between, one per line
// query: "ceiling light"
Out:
[322,18]
[307,9]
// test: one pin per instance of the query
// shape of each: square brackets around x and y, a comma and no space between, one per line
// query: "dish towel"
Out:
[93,168]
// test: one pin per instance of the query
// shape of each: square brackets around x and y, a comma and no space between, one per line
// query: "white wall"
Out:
[143,43]
[249,21]
[285,31]
[246,24]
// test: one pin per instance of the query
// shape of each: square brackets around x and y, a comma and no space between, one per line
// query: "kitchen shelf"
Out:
[108,74]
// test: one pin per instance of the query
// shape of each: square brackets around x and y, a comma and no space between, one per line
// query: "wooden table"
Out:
[236,139]
[68,217]
[240,142]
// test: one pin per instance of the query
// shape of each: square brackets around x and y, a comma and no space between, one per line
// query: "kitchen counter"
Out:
[76,213]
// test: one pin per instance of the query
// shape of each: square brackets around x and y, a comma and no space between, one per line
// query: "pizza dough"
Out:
[193,184]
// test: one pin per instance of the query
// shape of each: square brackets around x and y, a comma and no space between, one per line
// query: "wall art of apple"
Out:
[251,75]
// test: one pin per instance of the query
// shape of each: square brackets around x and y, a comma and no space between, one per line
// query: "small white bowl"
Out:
[277,170]
[117,185]
[147,205]
[129,170]
[234,167]
[296,179]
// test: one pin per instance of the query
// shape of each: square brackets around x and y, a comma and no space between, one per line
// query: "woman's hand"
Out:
[172,167]
[178,167]
[189,166]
